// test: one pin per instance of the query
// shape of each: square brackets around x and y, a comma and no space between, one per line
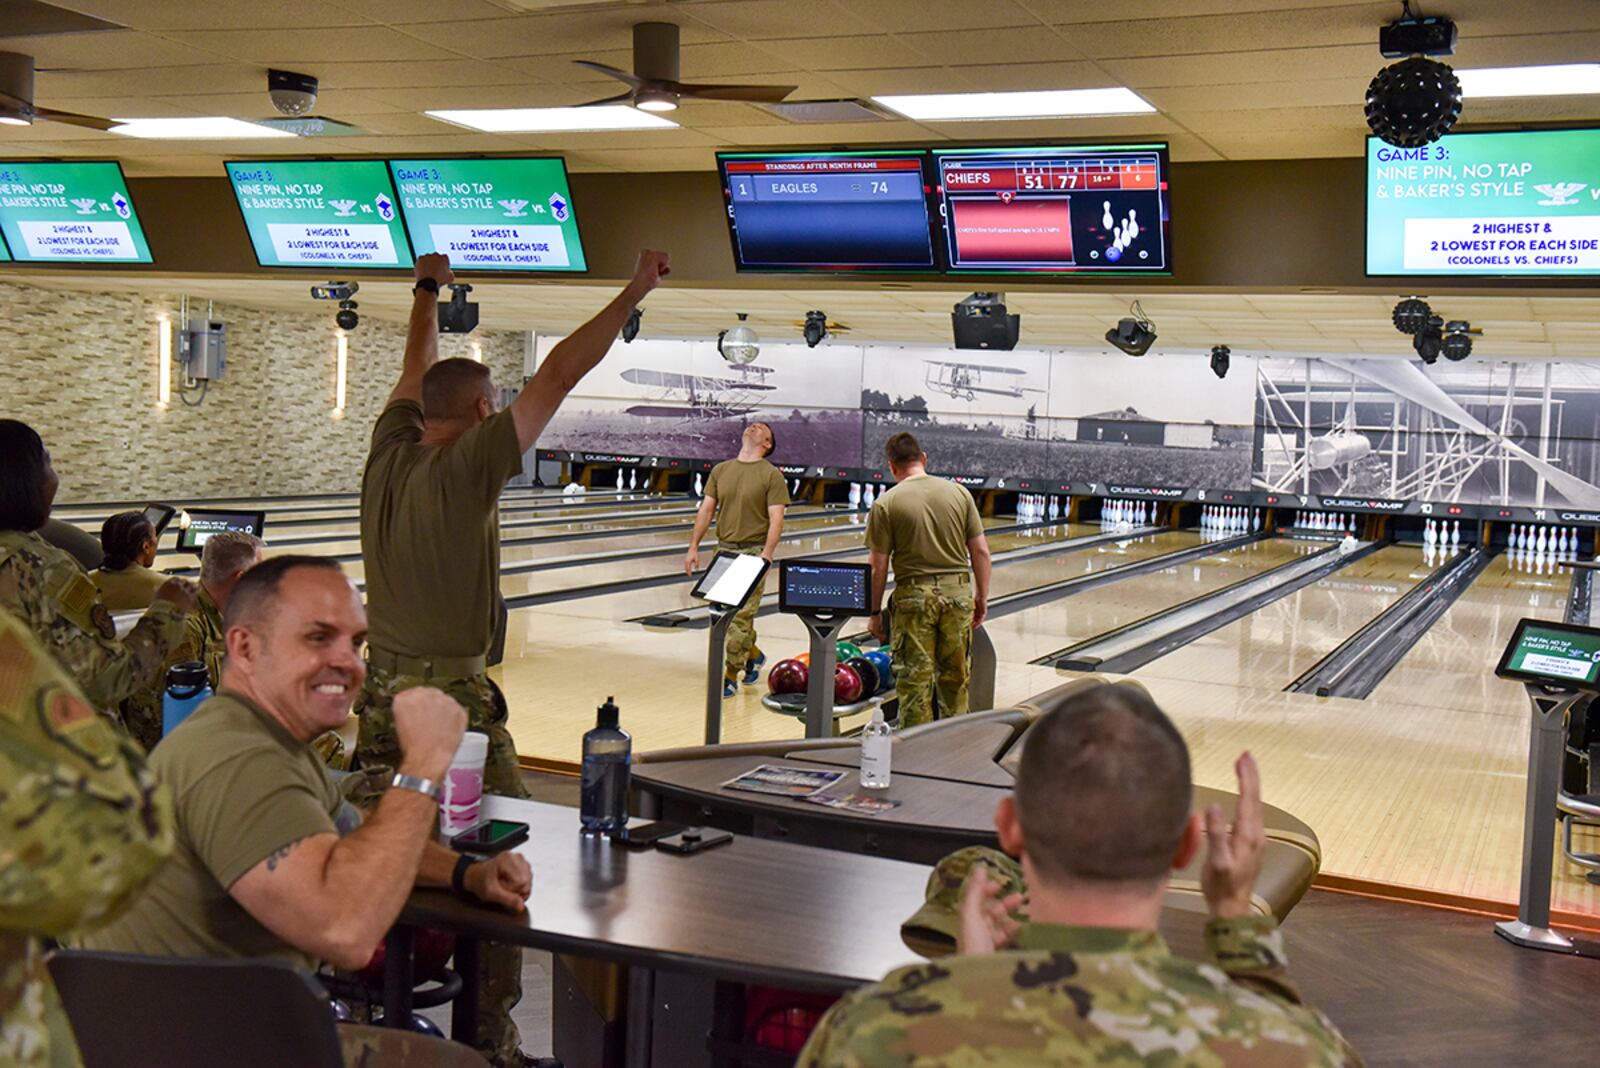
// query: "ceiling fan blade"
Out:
[612,72]
[620,98]
[72,118]
[756,94]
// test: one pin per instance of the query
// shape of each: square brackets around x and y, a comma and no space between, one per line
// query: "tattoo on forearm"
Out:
[278,855]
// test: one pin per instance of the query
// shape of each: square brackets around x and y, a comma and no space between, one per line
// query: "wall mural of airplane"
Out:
[964,381]
[700,397]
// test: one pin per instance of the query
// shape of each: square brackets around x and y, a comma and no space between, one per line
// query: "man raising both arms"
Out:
[441,453]
[747,495]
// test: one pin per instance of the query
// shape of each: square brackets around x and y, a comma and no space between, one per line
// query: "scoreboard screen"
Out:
[68,213]
[491,214]
[830,211]
[1082,209]
[320,213]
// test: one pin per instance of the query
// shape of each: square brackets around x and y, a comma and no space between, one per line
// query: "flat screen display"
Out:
[69,213]
[805,585]
[1073,210]
[1520,203]
[491,214]
[321,213]
[828,211]
[730,579]
[1558,654]
[203,524]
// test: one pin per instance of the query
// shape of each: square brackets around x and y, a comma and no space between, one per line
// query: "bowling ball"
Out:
[788,676]
[804,658]
[432,950]
[881,660]
[846,685]
[868,672]
[847,651]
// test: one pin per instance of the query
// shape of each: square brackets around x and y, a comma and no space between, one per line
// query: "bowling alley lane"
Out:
[1452,665]
[1271,647]
[1033,632]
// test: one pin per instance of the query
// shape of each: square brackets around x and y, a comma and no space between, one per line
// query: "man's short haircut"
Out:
[1103,792]
[451,388]
[122,536]
[226,552]
[902,449]
[22,479]
[257,592]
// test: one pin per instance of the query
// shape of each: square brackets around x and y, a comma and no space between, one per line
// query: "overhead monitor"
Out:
[821,586]
[491,214]
[203,524]
[1520,203]
[1068,210]
[828,211]
[321,213]
[69,213]
[1555,654]
[730,579]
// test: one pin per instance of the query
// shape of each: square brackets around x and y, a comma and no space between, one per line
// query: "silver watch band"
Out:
[420,785]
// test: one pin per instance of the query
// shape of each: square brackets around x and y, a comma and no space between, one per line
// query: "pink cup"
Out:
[463,784]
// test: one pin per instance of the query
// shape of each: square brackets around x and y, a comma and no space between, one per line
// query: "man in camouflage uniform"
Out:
[226,557]
[83,824]
[442,451]
[930,531]
[747,495]
[1100,817]
[49,592]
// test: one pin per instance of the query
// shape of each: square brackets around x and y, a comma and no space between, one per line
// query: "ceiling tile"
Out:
[205,15]
[1021,44]
[384,74]
[542,35]
[909,16]
[302,46]
[112,50]
[848,53]
[762,20]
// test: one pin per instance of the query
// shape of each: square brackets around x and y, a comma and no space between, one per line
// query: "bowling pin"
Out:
[794,490]
[1429,536]
[633,478]
[1455,533]
[621,482]
[868,495]
[699,485]
[1106,219]
[1543,543]
[1133,225]
[855,495]
[1256,523]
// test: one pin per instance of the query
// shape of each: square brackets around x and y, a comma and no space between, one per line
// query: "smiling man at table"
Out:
[271,862]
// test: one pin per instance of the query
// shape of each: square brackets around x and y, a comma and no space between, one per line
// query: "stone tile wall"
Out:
[81,368]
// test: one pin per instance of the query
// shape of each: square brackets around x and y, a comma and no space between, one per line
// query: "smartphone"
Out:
[490,836]
[693,840]
[643,835]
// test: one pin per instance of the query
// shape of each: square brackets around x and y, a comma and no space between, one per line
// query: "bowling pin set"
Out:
[1038,507]
[1122,232]
[1339,523]
[1537,548]
[862,494]
[632,481]
[1219,521]
[1127,513]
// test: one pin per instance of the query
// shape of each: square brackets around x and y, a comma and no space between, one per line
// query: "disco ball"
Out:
[1411,316]
[739,345]
[1413,102]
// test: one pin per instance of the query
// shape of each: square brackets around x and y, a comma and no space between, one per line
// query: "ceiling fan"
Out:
[16,97]
[654,84]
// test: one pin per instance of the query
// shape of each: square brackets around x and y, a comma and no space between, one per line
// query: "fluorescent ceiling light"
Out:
[205,128]
[1565,79]
[1046,104]
[552,120]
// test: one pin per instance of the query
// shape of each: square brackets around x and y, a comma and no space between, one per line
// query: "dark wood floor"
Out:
[1416,987]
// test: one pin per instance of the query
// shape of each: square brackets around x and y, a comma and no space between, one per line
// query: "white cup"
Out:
[463,784]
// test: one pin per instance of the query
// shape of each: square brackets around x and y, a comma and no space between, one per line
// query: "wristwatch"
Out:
[429,284]
[458,877]
[420,785]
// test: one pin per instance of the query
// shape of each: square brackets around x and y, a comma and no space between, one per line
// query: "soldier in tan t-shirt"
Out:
[747,495]
[930,530]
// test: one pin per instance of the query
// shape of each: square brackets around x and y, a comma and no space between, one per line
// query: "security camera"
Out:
[739,345]
[346,317]
[292,94]
[816,328]
[335,290]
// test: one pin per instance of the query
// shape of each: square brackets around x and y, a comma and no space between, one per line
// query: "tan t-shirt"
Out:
[134,587]
[924,525]
[430,533]
[242,788]
[744,490]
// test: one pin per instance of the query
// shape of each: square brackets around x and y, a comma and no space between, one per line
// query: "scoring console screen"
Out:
[1555,653]
[491,214]
[1077,209]
[825,587]
[840,211]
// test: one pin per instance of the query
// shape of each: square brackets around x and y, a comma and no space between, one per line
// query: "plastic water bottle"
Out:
[607,761]
[876,747]
[188,685]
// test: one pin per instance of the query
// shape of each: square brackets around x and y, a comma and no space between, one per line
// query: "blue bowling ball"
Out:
[881,660]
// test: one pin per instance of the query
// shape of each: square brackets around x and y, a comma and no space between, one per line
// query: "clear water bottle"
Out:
[607,760]
[188,685]
[876,747]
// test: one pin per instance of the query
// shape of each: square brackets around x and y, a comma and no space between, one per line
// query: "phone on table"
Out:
[693,840]
[644,835]
[490,836]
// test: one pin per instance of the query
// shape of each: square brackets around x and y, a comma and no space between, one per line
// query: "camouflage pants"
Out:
[931,642]
[365,1046]
[741,647]
[501,971]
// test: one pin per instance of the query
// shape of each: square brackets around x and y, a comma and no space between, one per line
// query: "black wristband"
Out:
[426,283]
[458,878]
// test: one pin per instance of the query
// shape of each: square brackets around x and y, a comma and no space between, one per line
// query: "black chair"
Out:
[136,1011]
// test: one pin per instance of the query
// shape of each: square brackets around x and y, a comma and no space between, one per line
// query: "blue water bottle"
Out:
[187,686]
[607,760]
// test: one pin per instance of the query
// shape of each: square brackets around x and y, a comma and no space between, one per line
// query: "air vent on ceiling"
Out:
[31,18]
[826,111]
[312,126]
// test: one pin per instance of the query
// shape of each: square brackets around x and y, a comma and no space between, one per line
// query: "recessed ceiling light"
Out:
[1563,79]
[203,128]
[1046,104]
[553,120]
